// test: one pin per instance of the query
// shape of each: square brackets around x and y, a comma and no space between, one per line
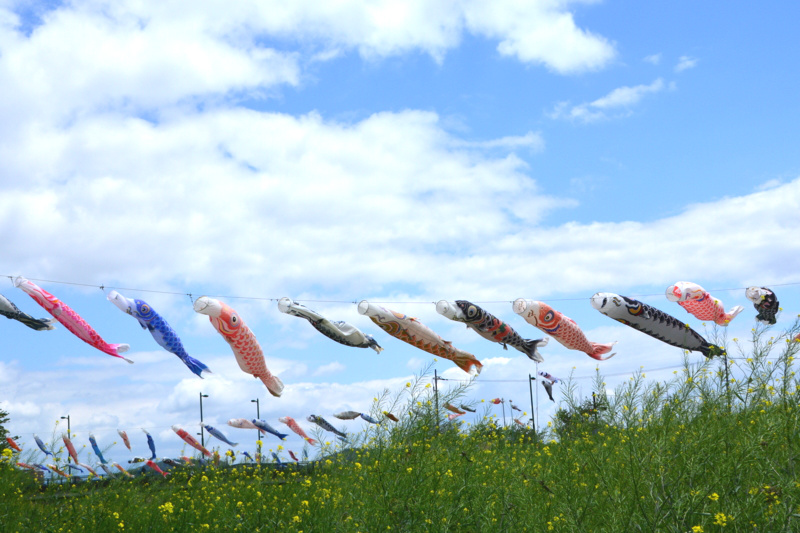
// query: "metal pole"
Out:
[531,379]
[202,433]
[258,432]
[69,433]
[537,395]
[436,395]
[503,404]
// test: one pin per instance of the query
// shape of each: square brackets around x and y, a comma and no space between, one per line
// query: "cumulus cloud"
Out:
[147,54]
[275,188]
[540,32]
[616,103]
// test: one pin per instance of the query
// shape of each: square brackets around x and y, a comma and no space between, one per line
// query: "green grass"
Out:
[714,449]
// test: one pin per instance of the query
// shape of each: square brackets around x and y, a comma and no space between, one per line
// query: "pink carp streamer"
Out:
[70,448]
[125,438]
[294,426]
[561,327]
[242,341]
[70,319]
[191,441]
[699,303]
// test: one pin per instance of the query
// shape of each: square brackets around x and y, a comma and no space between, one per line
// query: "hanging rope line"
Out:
[261,298]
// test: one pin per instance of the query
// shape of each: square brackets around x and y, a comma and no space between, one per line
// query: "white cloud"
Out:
[532,141]
[83,59]
[654,59]
[539,32]
[685,63]
[769,184]
[331,368]
[138,56]
[620,100]
[217,187]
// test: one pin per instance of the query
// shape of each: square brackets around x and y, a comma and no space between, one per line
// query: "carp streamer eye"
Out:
[472,311]
[549,316]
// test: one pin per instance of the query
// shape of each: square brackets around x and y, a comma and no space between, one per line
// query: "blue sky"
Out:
[333,153]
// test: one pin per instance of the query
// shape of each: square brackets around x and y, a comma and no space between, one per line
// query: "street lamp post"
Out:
[531,379]
[69,432]
[258,432]
[202,434]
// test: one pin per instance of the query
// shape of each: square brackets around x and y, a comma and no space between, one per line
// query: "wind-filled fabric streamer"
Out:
[125,438]
[41,445]
[340,331]
[70,319]
[490,327]
[12,312]
[653,322]
[324,424]
[191,441]
[151,464]
[242,341]
[96,449]
[347,415]
[699,303]
[294,426]
[765,302]
[547,382]
[264,427]
[417,334]
[70,447]
[159,328]
[214,432]
[150,443]
[561,327]
[241,423]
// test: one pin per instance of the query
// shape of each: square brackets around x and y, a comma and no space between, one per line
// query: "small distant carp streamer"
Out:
[294,426]
[191,441]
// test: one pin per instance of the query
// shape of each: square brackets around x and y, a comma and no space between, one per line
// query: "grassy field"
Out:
[713,449]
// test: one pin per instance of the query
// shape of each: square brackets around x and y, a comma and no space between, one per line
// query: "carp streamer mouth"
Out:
[207,306]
